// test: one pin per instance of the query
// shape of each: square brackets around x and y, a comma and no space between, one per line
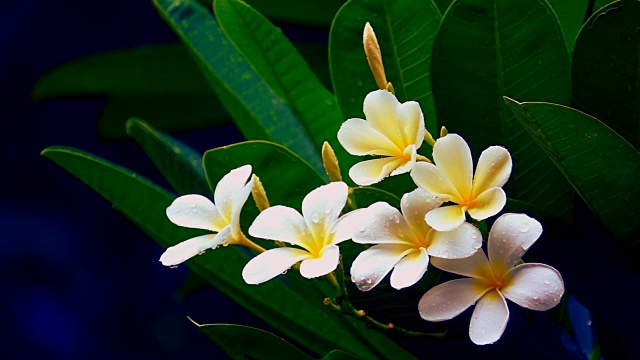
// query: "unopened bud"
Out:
[361,313]
[330,162]
[390,88]
[390,325]
[443,131]
[326,301]
[259,195]
[374,56]
[429,138]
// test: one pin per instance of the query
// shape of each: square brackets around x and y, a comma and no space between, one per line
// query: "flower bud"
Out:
[330,162]
[374,56]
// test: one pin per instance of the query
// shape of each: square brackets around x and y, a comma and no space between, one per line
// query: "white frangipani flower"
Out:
[452,178]
[405,242]
[533,286]
[392,129]
[198,212]
[317,231]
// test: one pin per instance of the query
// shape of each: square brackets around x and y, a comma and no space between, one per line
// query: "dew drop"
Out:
[483,331]
[524,228]
[546,282]
[362,229]
[173,266]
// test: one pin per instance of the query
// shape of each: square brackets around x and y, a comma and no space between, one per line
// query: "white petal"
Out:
[348,224]
[228,187]
[409,269]
[381,110]
[493,169]
[446,218]
[322,206]
[271,263]
[489,203]
[432,179]
[359,137]
[510,237]
[238,202]
[476,265]
[452,155]
[415,205]
[409,153]
[281,223]
[373,264]
[461,242]
[534,286]
[197,212]
[411,123]
[384,225]
[489,319]
[315,267]
[449,299]
[187,249]
[372,171]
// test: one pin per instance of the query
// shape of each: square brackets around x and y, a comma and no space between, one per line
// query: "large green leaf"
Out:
[257,110]
[159,82]
[606,68]
[485,50]
[177,162]
[307,12]
[571,14]
[443,5]
[282,68]
[244,342]
[405,30]
[602,166]
[309,323]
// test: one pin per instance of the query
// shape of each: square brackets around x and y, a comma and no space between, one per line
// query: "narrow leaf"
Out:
[485,50]
[606,68]
[602,166]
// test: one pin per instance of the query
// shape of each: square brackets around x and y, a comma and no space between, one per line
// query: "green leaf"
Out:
[282,68]
[602,166]
[159,82]
[405,30]
[485,50]
[244,342]
[606,68]
[309,323]
[257,110]
[177,162]
[571,15]
[339,355]
[599,4]
[443,5]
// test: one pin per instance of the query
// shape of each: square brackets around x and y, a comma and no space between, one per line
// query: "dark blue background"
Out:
[80,282]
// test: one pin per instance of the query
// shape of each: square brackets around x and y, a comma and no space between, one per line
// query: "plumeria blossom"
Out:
[198,212]
[533,286]
[405,242]
[391,129]
[452,179]
[317,232]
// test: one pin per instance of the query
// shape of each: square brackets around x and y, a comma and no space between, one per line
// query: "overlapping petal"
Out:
[446,218]
[187,249]
[322,206]
[488,203]
[385,225]
[461,242]
[534,286]
[510,237]
[453,156]
[348,225]
[493,170]
[315,267]
[434,180]
[196,212]
[448,300]
[369,172]
[271,263]
[489,318]
[373,264]
[409,269]
[415,205]
[381,110]
[281,223]
[411,123]
[227,190]
[476,265]
[359,137]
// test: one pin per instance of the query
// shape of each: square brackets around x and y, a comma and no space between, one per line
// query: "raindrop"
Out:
[362,229]
[589,323]
[547,282]
[201,252]
[174,266]
[193,206]
[284,272]
[524,228]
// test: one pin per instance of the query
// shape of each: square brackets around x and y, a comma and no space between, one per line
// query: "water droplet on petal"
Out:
[173,266]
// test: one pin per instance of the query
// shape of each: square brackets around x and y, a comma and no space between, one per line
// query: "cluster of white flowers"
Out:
[406,240]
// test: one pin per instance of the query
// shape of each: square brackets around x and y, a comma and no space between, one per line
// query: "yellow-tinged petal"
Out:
[415,205]
[510,237]
[476,265]
[449,299]
[452,155]
[315,267]
[409,269]
[432,179]
[489,319]
[461,242]
[196,212]
[488,204]
[381,110]
[411,122]
[282,223]
[227,189]
[384,225]
[271,263]
[359,137]
[321,208]
[446,218]
[534,286]
[493,170]
[372,171]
